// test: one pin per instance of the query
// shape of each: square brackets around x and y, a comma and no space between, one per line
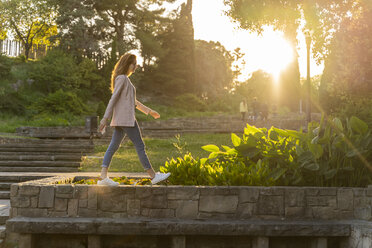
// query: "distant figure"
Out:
[264,111]
[255,108]
[243,109]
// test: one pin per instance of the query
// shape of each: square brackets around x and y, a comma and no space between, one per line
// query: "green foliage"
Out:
[121,180]
[57,70]
[60,102]
[30,21]
[329,154]
[175,73]
[190,102]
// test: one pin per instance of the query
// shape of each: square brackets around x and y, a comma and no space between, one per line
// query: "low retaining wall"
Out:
[51,198]
[44,198]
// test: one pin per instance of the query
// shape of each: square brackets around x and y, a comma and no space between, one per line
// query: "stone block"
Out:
[64,189]
[28,190]
[46,197]
[80,192]
[325,213]
[318,243]
[311,191]
[103,214]
[295,197]
[321,201]
[249,194]
[58,214]
[185,209]
[270,205]
[272,191]
[219,190]
[345,199]
[13,190]
[33,212]
[260,242]
[295,212]
[94,241]
[83,203]
[143,192]
[161,213]
[183,193]
[66,196]
[218,203]
[20,201]
[246,210]
[178,242]
[363,213]
[155,201]
[34,201]
[358,192]
[112,204]
[328,191]
[72,207]
[92,198]
[134,207]
[85,212]
[60,204]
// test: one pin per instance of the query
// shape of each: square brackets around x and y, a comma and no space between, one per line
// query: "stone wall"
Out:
[44,198]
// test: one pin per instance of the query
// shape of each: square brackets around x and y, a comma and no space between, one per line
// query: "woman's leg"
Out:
[116,139]
[135,136]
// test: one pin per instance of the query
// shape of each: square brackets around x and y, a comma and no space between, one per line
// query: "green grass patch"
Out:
[158,150]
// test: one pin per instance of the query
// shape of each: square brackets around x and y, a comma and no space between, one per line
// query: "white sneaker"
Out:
[160,177]
[108,182]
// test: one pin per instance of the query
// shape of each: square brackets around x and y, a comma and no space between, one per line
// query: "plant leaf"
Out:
[211,148]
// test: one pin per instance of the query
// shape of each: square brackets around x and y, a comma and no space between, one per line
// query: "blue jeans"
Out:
[134,135]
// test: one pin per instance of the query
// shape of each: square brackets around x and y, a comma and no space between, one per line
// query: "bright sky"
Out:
[269,52]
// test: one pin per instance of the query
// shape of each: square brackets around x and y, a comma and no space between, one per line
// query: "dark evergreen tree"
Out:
[175,73]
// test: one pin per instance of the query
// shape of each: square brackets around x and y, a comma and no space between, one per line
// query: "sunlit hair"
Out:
[122,67]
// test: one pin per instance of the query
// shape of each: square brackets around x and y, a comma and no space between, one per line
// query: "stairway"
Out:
[36,155]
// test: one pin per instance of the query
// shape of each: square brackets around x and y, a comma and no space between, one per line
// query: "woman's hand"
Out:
[154,114]
[102,125]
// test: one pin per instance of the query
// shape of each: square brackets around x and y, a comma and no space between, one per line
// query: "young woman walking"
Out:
[122,109]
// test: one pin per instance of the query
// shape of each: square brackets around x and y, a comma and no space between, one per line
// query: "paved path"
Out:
[92,174]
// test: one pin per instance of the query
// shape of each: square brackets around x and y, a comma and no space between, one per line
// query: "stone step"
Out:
[77,149]
[41,153]
[4,194]
[39,164]
[21,178]
[51,145]
[72,157]
[5,185]
[38,169]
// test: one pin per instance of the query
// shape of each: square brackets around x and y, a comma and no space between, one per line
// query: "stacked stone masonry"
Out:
[43,198]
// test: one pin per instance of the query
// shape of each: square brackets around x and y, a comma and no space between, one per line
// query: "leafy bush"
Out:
[60,102]
[327,155]
[190,102]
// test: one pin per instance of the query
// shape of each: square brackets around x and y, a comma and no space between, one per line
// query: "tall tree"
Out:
[213,68]
[31,21]
[348,68]
[175,73]
[321,18]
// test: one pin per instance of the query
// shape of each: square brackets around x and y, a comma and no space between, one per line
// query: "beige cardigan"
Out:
[123,103]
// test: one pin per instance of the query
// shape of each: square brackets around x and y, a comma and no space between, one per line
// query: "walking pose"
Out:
[121,108]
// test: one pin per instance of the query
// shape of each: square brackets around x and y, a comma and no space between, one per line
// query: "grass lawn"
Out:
[158,151]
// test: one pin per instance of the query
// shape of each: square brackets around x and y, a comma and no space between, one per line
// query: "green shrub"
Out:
[190,102]
[329,154]
[56,70]
[60,102]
